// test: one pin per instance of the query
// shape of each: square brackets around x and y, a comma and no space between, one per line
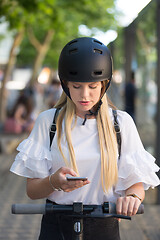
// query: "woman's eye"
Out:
[93,87]
[76,86]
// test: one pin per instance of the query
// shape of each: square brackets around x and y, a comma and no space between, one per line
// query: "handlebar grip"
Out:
[112,208]
[140,209]
[28,208]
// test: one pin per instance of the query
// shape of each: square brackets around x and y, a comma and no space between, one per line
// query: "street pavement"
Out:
[12,190]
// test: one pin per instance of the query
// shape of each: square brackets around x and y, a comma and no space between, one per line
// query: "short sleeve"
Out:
[34,159]
[135,164]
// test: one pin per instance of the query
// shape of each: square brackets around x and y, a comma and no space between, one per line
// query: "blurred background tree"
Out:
[41,28]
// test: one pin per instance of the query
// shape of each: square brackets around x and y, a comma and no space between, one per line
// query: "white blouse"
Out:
[34,159]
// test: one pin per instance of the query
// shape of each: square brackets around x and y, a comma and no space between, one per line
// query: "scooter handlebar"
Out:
[44,208]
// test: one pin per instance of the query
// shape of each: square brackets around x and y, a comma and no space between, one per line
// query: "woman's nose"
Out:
[84,92]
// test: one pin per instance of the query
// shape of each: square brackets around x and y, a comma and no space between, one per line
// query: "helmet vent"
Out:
[98,73]
[98,51]
[72,42]
[73,73]
[72,51]
[97,42]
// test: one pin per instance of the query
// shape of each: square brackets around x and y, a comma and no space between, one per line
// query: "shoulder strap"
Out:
[117,130]
[116,127]
[53,127]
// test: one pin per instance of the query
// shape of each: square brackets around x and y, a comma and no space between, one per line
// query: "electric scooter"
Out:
[77,211]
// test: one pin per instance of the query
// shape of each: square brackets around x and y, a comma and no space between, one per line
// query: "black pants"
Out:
[60,228]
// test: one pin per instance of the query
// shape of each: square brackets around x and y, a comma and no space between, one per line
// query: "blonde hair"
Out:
[107,138]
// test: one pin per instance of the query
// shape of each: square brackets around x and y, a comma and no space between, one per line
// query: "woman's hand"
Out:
[128,205]
[59,180]
[38,188]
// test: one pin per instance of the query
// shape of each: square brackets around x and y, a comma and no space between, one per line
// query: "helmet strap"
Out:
[92,113]
[85,117]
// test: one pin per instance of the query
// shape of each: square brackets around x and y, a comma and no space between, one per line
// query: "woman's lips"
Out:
[84,103]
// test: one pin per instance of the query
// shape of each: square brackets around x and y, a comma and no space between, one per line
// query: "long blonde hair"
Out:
[107,138]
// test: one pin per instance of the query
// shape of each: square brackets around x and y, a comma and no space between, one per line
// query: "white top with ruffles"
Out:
[35,160]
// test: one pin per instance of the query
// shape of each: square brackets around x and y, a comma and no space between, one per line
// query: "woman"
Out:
[85,144]
[21,119]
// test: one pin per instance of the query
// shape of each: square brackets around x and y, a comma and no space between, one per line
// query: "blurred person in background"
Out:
[53,92]
[20,118]
[130,96]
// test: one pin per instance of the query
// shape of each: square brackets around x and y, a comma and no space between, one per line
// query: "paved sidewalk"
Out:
[26,227]
[12,190]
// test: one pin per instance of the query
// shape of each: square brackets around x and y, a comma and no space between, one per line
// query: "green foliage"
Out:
[29,5]
[118,51]
[63,16]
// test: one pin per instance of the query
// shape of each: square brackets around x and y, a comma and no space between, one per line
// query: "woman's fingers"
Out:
[127,205]
[136,206]
[122,205]
[65,170]
[72,185]
[60,181]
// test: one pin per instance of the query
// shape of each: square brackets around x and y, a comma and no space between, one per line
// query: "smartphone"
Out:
[77,178]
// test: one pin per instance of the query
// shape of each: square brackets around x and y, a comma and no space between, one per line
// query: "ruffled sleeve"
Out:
[34,158]
[135,164]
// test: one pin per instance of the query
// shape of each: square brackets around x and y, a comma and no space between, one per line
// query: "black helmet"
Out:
[84,60]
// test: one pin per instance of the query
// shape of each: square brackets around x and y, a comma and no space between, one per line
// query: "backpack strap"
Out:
[116,127]
[117,130]
[53,128]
